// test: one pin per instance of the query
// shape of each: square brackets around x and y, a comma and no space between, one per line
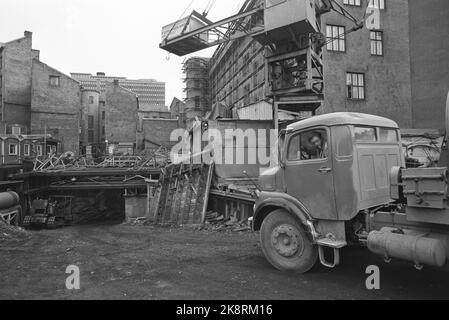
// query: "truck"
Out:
[341,181]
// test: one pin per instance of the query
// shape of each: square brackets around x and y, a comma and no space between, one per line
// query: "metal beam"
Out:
[213,28]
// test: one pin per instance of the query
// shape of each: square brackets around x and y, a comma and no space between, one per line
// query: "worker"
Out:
[319,147]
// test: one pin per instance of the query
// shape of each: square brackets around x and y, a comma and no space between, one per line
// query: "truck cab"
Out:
[331,168]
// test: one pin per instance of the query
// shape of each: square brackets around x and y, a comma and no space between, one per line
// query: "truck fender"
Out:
[273,201]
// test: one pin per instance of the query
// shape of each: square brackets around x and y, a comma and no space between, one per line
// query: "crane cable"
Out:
[209,6]
[182,15]
[355,28]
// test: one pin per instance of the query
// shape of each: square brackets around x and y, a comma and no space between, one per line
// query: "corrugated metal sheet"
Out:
[261,111]
[258,111]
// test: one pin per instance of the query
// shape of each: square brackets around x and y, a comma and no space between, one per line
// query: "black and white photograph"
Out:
[224,156]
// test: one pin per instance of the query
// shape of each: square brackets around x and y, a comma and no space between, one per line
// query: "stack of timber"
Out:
[182,194]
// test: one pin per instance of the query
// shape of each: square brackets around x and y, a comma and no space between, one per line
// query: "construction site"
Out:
[287,179]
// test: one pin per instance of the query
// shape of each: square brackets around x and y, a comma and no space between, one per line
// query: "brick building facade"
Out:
[15,80]
[55,106]
[36,99]
[155,133]
[121,116]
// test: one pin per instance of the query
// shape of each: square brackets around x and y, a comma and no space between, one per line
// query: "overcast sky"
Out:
[120,38]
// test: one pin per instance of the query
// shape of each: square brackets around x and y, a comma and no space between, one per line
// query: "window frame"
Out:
[340,37]
[381,4]
[27,149]
[376,133]
[356,3]
[15,153]
[16,128]
[58,82]
[302,132]
[352,86]
[376,41]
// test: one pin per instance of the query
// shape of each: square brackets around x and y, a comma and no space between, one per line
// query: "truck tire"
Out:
[285,243]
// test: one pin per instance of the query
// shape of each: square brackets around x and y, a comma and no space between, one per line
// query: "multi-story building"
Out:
[55,106]
[151,93]
[368,71]
[37,99]
[398,70]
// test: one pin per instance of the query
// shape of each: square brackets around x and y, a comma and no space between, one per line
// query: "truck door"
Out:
[309,172]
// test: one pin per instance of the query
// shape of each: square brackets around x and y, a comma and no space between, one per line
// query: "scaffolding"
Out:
[196,79]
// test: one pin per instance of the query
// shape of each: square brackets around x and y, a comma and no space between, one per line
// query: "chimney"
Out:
[28,34]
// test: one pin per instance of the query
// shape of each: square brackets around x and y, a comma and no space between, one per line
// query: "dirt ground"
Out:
[119,261]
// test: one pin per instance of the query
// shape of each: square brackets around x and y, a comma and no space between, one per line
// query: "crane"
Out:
[249,21]
[290,30]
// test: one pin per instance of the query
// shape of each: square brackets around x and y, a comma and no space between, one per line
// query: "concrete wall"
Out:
[387,77]
[121,114]
[56,107]
[16,89]
[429,31]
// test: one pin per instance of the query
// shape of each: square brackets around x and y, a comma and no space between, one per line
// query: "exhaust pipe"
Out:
[420,249]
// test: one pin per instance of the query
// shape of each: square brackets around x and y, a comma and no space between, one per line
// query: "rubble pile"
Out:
[218,223]
[8,232]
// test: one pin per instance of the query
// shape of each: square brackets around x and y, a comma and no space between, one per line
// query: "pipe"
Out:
[8,200]
[419,249]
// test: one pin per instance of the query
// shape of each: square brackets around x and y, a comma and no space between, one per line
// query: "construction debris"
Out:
[217,222]
[158,159]
[12,233]
[182,194]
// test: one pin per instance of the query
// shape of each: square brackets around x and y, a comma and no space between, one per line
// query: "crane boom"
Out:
[248,22]
[214,33]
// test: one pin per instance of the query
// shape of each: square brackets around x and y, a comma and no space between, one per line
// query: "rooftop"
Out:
[344,118]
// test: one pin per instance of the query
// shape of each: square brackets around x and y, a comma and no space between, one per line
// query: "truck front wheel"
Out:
[285,243]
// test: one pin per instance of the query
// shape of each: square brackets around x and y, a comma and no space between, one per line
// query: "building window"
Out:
[103,115]
[356,86]
[352,2]
[55,81]
[39,150]
[377,47]
[378,4]
[336,38]
[16,131]
[13,149]
[103,131]
[91,100]
[90,122]
[26,150]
